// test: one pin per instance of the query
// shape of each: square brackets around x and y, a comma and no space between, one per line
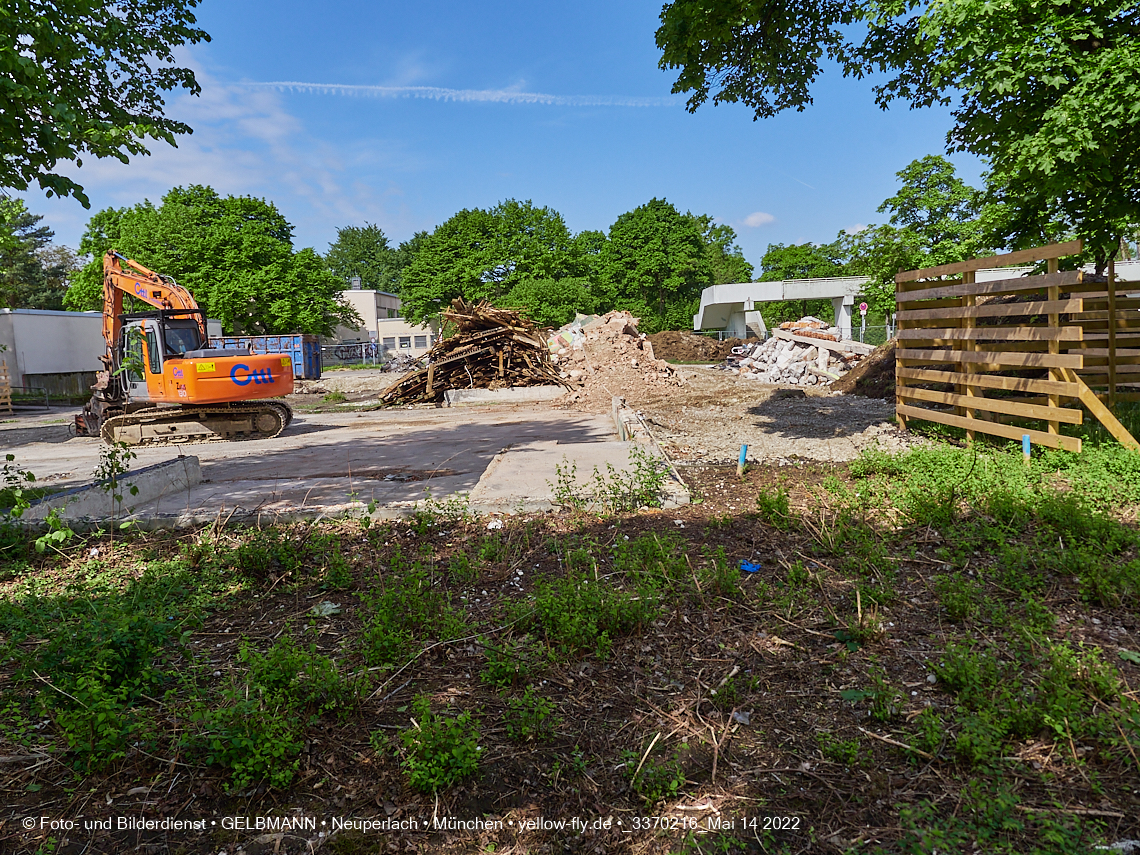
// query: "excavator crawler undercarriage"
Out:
[184,425]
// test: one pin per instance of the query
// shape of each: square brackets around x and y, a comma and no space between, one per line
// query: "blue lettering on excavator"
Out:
[263,375]
[140,290]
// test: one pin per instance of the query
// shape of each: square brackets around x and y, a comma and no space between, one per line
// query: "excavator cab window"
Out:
[153,353]
[182,336]
[133,354]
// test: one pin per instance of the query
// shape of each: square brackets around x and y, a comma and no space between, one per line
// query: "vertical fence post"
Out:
[900,382]
[1053,293]
[967,322]
[1112,333]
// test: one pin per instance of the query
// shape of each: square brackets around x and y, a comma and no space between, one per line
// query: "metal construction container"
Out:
[305,350]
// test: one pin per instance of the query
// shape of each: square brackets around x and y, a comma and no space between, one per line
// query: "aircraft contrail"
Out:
[488,96]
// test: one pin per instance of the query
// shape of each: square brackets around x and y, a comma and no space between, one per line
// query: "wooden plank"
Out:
[993,310]
[996,405]
[1023,256]
[1132,339]
[995,333]
[1121,352]
[1096,308]
[1102,413]
[845,346]
[1026,360]
[1038,437]
[1016,285]
[990,381]
[1019,346]
[945,302]
[918,286]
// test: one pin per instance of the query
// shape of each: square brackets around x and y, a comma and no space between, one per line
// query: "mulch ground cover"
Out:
[733,676]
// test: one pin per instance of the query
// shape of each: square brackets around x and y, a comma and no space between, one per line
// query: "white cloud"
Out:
[855,229]
[757,219]
[490,96]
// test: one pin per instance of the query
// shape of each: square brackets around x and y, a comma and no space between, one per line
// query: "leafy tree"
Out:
[364,251]
[405,252]
[1045,92]
[586,254]
[725,257]
[81,77]
[800,261]
[59,263]
[551,302]
[33,273]
[479,254]
[655,264]
[234,254]
[936,218]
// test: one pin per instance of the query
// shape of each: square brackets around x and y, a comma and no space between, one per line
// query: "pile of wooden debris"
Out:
[491,349]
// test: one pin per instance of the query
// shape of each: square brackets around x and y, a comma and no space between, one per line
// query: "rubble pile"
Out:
[401,363]
[608,356]
[491,349]
[783,359]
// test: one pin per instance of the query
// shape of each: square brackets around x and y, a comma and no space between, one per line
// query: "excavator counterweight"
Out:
[161,381]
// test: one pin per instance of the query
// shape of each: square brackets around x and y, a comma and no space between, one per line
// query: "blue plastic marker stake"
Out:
[1025,447]
[740,462]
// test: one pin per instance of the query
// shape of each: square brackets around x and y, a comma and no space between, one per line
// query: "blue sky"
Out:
[402,114]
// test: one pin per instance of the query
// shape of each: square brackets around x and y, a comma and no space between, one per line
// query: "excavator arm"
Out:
[152,288]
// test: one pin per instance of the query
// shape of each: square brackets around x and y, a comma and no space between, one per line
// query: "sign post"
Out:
[863,321]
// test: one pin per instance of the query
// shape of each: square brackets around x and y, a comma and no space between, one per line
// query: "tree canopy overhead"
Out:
[86,77]
[1048,93]
[234,253]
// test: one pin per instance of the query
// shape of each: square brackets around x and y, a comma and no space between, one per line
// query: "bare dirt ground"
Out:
[711,414]
[701,416]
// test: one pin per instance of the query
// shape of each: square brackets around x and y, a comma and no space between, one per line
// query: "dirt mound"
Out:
[613,359]
[684,346]
[874,377]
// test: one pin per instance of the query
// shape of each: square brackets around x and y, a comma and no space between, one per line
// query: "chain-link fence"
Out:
[356,353]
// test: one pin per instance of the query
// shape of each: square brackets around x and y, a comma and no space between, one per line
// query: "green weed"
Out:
[577,612]
[438,750]
[530,717]
[657,780]
[775,509]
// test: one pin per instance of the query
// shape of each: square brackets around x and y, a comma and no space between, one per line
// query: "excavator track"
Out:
[189,425]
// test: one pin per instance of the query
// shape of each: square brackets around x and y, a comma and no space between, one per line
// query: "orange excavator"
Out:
[163,384]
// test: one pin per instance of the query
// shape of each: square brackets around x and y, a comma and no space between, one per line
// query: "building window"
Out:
[390,343]
[391,313]
[405,342]
[421,341]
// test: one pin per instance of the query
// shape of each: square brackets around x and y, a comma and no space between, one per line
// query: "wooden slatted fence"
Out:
[988,356]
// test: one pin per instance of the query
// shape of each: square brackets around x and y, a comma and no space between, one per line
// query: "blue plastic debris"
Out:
[749,567]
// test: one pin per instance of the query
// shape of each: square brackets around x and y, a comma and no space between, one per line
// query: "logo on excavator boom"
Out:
[262,375]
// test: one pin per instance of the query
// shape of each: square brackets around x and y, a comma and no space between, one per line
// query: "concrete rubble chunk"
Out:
[808,352]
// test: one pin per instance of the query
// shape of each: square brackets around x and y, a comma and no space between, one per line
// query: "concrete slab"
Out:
[520,395]
[333,464]
[527,478]
[137,489]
